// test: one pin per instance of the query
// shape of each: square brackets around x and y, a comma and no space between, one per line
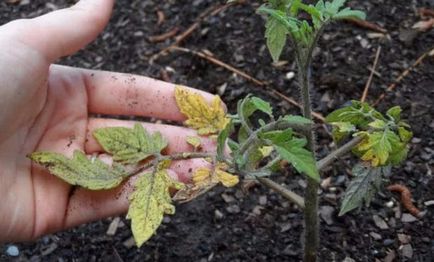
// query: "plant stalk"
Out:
[311,223]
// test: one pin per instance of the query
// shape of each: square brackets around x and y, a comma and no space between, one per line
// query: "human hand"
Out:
[46,107]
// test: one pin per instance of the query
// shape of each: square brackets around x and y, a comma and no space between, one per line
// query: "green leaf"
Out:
[234,146]
[129,145]
[297,120]
[404,134]
[221,140]
[398,154]
[302,159]
[377,146]
[349,13]
[149,202]
[366,182]
[378,124]
[277,137]
[262,105]
[395,113]
[275,33]
[358,114]
[341,130]
[91,174]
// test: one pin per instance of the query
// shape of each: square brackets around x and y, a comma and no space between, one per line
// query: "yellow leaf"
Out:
[266,150]
[149,202]
[202,176]
[228,180]
[206,119]
[194,141]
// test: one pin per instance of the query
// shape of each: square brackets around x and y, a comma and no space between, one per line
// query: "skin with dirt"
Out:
[229,224]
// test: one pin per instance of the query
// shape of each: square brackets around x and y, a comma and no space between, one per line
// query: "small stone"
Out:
[285,227]
[257,210]
[406,250]
[234,209]
[113,227]
[429,203]
[408,218]
[166,220]
[290,75]
[48,250]
[390,257]
[388,242]
[389,204]
[228,198]
[375,236]
[416,140]
[263,200]
[404,239]
[326,213]
[302,183]
[348,259]
[12,251]
[129,243]
[218,214]
[379,222]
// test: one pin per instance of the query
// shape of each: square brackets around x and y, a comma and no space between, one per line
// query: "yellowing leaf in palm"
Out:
[149,202]
[130,145]
[206,119]
[91,174]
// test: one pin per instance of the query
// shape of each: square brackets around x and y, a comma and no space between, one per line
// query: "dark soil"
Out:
[261,226]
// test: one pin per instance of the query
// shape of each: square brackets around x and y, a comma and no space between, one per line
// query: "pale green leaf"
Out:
[297,120]
[341,130]
[149,202]
[395,113]
[404,134]
[366,182]
[377,147]
[302,159]
[349,13]
[276,34]
[88,173]
[129,145]
[377,124]
[262,105]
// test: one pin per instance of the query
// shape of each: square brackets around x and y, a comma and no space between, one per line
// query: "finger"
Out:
[86,206]
[65,31]
[175,135]
[126,94]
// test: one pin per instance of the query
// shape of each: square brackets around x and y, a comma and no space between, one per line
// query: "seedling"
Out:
[247,147]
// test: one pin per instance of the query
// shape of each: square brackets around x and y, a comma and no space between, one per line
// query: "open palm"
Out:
[46,107]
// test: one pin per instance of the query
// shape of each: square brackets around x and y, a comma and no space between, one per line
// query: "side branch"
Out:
[326,161]
[286,193]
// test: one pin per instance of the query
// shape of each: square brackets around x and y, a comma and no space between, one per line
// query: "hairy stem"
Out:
[330,158]
[311,223]
[286,193]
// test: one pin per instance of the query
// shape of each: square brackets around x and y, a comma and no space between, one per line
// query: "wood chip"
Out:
[113,227]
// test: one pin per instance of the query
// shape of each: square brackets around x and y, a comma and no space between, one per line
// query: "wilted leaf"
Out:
[365,184]
[149,202]
[91,174]
[129,145]
[303,161]
[207,119]
[404,134]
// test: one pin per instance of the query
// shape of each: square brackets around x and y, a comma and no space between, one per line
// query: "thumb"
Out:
[63,32]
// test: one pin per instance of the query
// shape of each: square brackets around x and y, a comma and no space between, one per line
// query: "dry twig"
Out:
[403,75]
[405,198]
[367,25]
[368,83]
[164,36]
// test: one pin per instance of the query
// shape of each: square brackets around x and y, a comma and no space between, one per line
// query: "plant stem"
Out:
[286,193]
[326,161]
[311,223]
